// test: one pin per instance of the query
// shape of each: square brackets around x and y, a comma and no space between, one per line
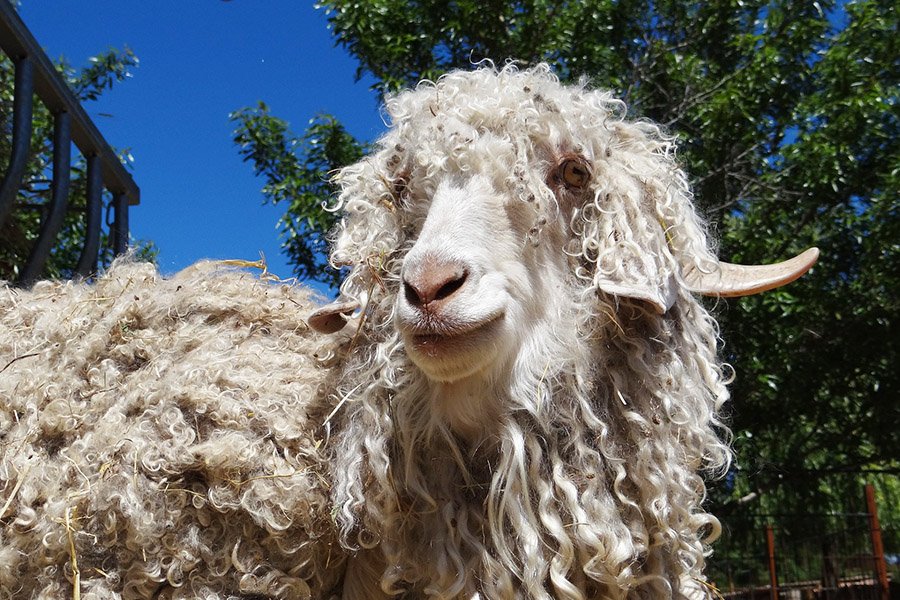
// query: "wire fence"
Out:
[833,556]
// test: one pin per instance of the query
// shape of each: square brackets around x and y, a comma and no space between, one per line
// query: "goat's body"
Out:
[162,436]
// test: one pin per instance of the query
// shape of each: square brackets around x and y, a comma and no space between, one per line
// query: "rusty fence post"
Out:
[770,554]
[877,546]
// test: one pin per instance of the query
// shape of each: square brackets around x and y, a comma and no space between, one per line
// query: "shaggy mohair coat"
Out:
[572,465]
[160,438]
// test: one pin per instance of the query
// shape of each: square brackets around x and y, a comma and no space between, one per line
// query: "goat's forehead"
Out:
[515,132]
[456,145]
[472,201]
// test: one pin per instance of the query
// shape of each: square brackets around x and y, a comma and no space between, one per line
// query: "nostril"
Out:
[451,286]
[412,296]
[433,282]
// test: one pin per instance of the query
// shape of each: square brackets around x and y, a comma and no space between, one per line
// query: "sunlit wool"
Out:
[566,460]
[169,428]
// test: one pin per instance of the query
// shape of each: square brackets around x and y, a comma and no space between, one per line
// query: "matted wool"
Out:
[160,438]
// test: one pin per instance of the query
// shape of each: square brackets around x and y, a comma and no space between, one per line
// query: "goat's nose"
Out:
[433,281]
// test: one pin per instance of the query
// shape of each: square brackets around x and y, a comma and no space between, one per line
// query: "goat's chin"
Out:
[449,358]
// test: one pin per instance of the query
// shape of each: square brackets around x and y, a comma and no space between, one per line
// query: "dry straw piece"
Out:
[158,438]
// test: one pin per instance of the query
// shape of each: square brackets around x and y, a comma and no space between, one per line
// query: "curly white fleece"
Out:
[589,483]
[162,436]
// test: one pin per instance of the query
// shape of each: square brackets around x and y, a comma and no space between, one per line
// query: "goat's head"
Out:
[495,195]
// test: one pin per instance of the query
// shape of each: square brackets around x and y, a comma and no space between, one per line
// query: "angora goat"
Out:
[521,406]
[534,389]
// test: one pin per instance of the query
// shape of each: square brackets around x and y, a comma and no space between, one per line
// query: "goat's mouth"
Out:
[436,342]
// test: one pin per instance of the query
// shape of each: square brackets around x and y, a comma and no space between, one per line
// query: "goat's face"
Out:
[465,281]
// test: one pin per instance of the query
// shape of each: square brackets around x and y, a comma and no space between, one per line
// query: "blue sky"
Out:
[199,61]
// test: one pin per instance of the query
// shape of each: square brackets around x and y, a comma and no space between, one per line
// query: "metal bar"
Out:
[877,546]
[120,224]
[87,262]
[62,160]
[16,40]
[770,553]
[21,136]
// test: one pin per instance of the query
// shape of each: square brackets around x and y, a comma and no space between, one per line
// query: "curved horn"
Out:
[331,318]
[730,281]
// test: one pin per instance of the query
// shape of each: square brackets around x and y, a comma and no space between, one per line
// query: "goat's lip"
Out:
[433,341]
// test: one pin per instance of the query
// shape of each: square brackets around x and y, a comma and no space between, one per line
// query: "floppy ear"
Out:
[622,253]
[332,317]
[623,237]
[645,241]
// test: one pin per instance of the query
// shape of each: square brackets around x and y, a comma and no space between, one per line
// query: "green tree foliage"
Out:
[817,386]
[21,229]
[297,173]
[788,124]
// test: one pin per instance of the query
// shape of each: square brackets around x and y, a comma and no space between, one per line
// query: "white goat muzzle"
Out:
[453,311]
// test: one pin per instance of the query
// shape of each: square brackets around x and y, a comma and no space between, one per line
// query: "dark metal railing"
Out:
[35,74]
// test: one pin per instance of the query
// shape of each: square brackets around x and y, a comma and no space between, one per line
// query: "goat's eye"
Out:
[574,173]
